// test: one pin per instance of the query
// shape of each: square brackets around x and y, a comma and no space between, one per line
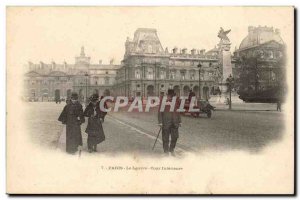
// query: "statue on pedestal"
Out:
[225,67]
[223,34]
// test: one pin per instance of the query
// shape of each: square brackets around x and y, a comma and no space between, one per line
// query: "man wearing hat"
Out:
[94,128]
[72,116]
[169,121]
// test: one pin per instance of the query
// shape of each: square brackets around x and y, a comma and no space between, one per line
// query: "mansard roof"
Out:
[57,73]
[260,35]
[146,41]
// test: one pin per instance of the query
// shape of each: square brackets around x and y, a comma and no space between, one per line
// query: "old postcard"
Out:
[150,100]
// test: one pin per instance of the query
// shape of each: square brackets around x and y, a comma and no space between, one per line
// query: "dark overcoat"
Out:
[170,121]
[72,116]
[94,127]
[169,118]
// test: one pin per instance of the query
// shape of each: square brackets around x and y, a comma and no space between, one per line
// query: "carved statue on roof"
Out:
[223,34]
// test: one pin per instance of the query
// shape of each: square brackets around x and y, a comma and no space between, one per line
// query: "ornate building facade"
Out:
[260,65]
[47,82]
[146,70]
[150,70]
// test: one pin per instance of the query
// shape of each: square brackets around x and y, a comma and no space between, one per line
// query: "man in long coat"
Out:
[72,116]
[169,121]
[94,128]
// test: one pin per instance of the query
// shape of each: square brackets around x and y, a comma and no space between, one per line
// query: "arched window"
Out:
[192,74]
[182,74]
[162,74]
[172,75]
[137,74]
[150,73]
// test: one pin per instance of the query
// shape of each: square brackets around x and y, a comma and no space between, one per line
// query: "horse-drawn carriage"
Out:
[203,107]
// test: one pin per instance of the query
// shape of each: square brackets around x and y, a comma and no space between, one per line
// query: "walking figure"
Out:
[170,121]
[72,117]
[94,128]
[279,105]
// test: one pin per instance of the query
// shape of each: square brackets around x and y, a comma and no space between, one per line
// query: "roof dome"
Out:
[260,35]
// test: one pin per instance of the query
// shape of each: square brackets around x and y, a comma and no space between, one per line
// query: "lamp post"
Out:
[86,87]
[142,78]
[199,66]
[230,81]
[125,86]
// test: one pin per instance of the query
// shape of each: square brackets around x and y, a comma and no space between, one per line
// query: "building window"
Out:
[96,79]
[162,75]
[106,72]
[277,54]
[150,73]
[137,74]
[150,49]
[202,76]
[193,76]
[270,54]
[106,80]
[182,75]
[273,76]
[172,75]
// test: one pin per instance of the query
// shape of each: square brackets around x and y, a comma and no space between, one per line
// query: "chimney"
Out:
[111,61]
[30,64]
[100,62]
[41,65]
[82,54]
[53,66]
[184,50]
[250,29]
[65,65]
[202,51]
[193,51]
[175,50]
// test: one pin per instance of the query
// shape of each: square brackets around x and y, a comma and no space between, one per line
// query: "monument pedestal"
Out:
[224,97]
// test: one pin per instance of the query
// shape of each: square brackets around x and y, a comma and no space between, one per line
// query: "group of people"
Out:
[73,116]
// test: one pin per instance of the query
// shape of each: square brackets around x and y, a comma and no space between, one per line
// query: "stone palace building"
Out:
[47,82]
[150,70]
[147,69]
[260,65]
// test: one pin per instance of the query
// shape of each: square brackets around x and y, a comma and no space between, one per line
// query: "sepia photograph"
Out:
[150,100]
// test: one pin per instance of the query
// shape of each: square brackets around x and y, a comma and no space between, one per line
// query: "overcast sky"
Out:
[45,34]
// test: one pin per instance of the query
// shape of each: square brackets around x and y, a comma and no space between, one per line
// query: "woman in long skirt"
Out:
[72,116]
[94,128]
